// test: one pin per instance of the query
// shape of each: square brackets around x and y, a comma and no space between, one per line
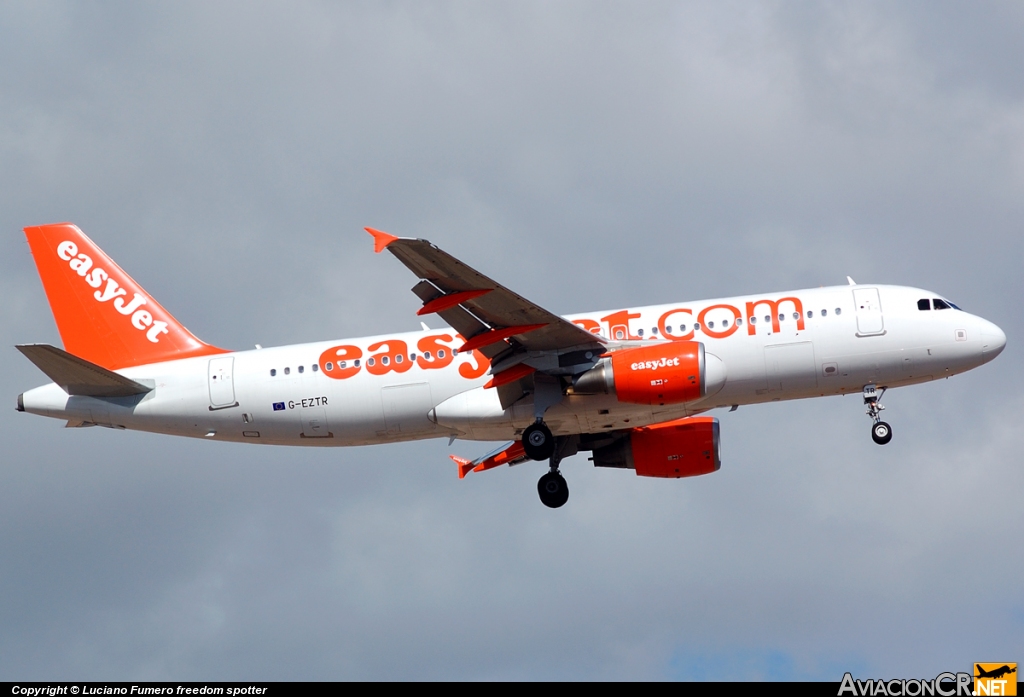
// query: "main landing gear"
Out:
[881,432]
[553,490]
[540,444]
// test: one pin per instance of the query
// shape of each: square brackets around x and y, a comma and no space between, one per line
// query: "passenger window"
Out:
[640,332]
[767,318]
[810,313]
[696,326]
[940,304]
[355,363]
[342,365]
[739,321]
[315,368]
[654,331]
[753,320]
[618,335]
[426,354]
[668,328]
[839,310]
[370,361]
[924,304]
[399,358]
[412,357]
[273,372]
[782,317]
[711,325]
[440,353]
[682,328]
[287,371]
[302,369]
[725,323]
[824,313]
[796,315]
[384,360]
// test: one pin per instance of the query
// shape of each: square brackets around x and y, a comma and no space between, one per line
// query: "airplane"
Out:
[996,673]
[631,386]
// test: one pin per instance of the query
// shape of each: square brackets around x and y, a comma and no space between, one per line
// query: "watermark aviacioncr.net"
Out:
[988,680]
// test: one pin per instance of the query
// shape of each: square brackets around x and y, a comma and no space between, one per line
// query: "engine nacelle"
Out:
[682,448]
[672,372]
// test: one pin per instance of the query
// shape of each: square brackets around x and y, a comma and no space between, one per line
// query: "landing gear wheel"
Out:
[881,433]
[553,490]
[538,443]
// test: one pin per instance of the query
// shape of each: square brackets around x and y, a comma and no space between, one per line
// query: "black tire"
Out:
[538,443]
[881,433]
[553,490]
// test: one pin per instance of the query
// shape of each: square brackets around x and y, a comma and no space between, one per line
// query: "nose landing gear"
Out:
[881,432]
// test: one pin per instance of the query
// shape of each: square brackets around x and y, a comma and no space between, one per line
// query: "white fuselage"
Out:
[829,341]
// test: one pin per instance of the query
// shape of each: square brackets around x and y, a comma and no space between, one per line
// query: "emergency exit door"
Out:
[869,311]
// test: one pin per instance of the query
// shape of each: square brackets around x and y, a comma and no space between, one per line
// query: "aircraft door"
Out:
[222,385]
[869,311]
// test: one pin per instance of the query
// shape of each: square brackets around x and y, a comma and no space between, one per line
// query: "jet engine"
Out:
[682,448]
[671,372]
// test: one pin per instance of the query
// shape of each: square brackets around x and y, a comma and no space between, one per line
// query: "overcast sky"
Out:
[589,156]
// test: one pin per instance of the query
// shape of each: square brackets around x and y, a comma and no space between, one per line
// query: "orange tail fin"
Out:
[103,315]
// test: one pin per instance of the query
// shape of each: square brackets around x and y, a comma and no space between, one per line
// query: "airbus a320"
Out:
[632,386]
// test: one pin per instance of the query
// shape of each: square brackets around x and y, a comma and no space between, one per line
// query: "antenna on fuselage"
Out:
[852,282]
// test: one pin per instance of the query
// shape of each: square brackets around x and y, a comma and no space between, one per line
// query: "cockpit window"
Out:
[924,304]
[940,304]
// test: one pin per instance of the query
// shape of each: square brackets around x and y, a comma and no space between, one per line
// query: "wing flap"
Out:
[509,454]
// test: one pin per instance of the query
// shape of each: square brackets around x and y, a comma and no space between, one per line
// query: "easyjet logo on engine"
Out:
[654,365]
[111,290]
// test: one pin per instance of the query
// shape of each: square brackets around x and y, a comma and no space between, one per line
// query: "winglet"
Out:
[380,239]
[464,465]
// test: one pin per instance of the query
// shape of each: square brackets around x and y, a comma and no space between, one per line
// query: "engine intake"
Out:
[683,448]
[665,373]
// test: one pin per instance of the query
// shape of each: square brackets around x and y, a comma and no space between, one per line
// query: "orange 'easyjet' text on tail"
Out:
[103,315]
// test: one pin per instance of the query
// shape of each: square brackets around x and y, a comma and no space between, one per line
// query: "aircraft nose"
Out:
[993,340]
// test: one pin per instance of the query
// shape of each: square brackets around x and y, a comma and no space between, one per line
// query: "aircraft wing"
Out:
[491,317]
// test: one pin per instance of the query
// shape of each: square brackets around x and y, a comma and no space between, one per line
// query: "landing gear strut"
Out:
[539,444]
[553,490]
[881,432]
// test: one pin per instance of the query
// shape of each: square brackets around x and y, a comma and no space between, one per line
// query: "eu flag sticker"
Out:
[278,406]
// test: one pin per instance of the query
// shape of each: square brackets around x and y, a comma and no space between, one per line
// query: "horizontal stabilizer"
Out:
[77,376]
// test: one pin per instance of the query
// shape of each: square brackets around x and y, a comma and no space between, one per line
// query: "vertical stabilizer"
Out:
[104,316]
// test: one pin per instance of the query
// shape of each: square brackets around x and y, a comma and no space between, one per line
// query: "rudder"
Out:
[102,314]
